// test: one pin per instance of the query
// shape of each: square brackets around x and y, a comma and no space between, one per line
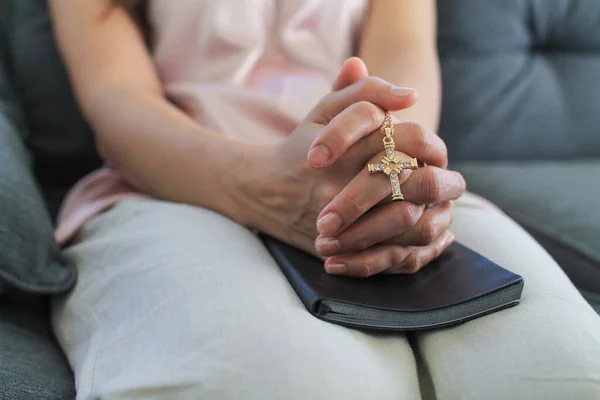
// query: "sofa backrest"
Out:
[521,78]
[521,81]
[59,139]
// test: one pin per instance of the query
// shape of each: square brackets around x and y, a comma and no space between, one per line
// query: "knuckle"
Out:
[413,263]
[408,215]
[370,113]
[363,87]
[319,113]
[339,136]
[419,135]
[362,241]
[365,270]
[397,256]
[432,186]
[428,232]
[368,86]
[353,205]
[326,194]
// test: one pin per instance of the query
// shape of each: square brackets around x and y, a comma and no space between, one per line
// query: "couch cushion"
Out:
[29,256]
[61,142]
[31,363]
[521,78]
[556,202]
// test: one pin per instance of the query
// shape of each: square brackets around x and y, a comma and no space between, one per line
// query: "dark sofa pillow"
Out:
[32,365]
[60,140]
[30,259]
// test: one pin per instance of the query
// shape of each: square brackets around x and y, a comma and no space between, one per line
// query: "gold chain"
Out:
[387,129]
[387,123]
[391,164]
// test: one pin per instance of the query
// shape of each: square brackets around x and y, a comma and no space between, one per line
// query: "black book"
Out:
[458,286]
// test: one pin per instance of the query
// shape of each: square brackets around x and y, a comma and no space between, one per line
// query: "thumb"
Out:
[352,71]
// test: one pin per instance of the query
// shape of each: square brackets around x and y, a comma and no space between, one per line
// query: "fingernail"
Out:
[319,155]
[329,224]
[327,245]
[400,91]
[449,239]
[336,269]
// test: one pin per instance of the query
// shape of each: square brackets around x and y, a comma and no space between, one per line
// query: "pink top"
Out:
[245,67]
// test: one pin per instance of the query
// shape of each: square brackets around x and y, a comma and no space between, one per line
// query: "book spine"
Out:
[308,297]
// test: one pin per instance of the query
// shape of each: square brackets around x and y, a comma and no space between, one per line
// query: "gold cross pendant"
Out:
[392,165]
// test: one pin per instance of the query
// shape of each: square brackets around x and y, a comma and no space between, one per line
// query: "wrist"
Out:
[247,182]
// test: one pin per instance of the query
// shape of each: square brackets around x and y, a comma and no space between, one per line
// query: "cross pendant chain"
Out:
[391,164]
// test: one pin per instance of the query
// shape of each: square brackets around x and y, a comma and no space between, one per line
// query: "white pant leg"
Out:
[178,302]
[546,348]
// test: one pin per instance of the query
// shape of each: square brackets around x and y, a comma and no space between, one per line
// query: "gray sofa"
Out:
[522,121]
[519,117]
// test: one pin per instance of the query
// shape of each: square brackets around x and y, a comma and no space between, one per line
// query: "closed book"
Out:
[458,286]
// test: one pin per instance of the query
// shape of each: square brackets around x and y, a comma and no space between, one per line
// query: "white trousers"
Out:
[179,302]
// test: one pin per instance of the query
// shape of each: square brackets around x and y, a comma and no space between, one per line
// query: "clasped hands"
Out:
[315,192]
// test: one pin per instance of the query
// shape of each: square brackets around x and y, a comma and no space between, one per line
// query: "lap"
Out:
[547,347]
[181,298]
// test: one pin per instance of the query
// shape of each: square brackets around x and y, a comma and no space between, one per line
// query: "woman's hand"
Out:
[284,194]
[397,237]
[292,193]
[364,233]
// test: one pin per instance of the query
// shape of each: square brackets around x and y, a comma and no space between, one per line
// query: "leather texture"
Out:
[457,277]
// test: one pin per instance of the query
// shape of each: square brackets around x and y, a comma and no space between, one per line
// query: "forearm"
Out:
[398,44]
[415,68]
[149,141]
[162,151]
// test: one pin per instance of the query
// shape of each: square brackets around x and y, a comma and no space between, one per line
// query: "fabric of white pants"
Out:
[178,302]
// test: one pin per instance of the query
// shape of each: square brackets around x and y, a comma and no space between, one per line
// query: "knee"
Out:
[259,366]
[268,365]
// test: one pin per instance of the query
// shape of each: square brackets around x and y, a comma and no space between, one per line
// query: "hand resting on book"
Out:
[314,184]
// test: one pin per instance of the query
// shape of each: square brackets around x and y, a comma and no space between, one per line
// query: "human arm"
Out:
[399,44]
[158,148]
[138,131]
